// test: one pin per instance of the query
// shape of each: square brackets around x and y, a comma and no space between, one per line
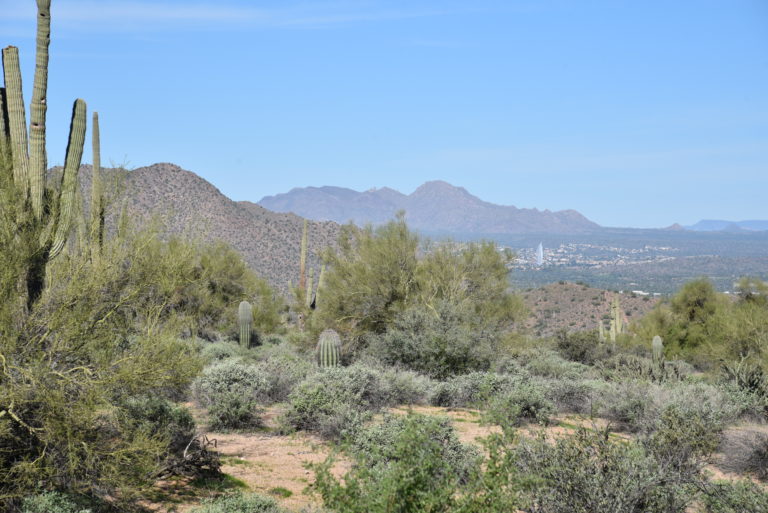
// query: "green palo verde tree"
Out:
[41,217]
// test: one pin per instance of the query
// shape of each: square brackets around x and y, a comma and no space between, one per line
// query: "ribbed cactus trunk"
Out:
[245,322]
[97,201]
[320,283]
[310,285]
[329,349]
[303,257]
[23,153]
[601,331]
[657,346]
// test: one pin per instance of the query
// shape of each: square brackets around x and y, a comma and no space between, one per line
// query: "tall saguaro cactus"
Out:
[97,202]
[24,160]
[303,256]
[245,321]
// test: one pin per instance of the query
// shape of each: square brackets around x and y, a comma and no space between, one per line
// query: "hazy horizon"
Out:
[634,114]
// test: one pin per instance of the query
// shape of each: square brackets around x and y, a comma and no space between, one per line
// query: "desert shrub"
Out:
[376,444]
[227,377]
[239,503]
[283,368]
[437,341]
[744,451]
[408,387]
[416,470]
[161,418]
[735,497]
[549,364]
[336,396]
[274,339]
[52,502]
[524,402]
[630,404]
[749,378]
[629,366]
[509,364]
[683,441]
[575,396]
[473,389]
[589,472]
[582,347]
[233,410]
[221,350]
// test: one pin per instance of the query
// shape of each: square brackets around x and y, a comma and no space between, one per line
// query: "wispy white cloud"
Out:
[111,14]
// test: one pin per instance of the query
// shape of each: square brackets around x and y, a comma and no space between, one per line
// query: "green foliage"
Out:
[376,444]
[230,377]
[160,418]
[705,326]
[524,402]
[415,471]
[51,502]
[335,402]
[239,503]
[583,346]
[439,341]
[378,273]
[473,389]
[231,410]
[735,497]
[590,473]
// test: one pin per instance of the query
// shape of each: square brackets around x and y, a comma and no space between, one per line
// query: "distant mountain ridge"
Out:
[717,225]
[435,206]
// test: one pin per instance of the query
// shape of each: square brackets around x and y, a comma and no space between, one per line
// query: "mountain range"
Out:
[435,207]
[718,225]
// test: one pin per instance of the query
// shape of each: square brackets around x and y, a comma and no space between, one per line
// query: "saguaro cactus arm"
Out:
[69,179]
[17,124]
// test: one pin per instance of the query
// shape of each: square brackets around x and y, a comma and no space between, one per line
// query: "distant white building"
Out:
[540,255]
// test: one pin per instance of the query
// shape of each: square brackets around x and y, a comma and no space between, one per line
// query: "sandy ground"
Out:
[275,465]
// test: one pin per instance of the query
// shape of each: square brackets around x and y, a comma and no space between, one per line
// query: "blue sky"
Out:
[634,113]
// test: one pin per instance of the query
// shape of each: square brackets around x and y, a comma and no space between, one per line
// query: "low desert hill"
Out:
[576,307]
[187,204]
[435,207]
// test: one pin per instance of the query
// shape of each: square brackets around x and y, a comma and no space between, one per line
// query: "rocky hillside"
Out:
[187,204]
[577,307]
[434,207]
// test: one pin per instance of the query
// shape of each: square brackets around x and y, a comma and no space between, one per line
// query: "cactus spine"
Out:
[657,345]
[245,321]
[329,349]
[24,157]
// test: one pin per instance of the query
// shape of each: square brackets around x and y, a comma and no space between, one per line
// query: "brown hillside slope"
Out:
[187,204]
[576,307]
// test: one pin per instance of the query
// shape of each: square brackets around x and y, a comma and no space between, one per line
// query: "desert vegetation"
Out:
[129,359]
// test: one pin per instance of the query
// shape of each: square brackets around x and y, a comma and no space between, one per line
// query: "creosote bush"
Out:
[239,503]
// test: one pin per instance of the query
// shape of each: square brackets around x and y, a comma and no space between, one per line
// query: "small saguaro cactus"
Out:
[601,331]
[329,349]
[657,345]
[245,321]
